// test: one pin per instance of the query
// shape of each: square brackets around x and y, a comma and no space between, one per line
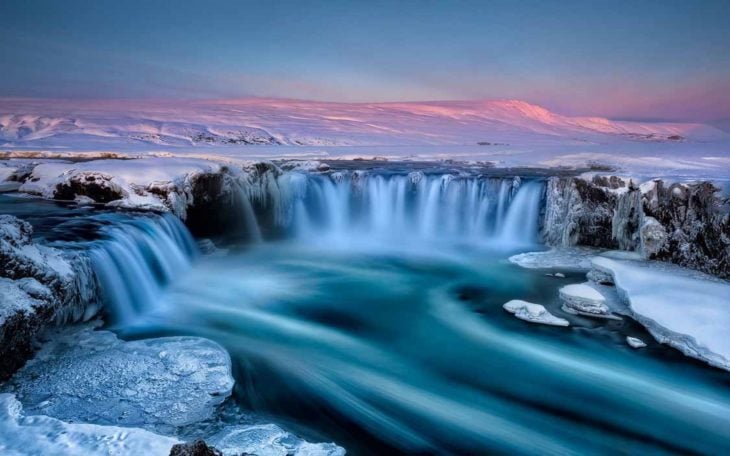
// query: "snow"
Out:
[14,298]
[131,179]
[240,122]
[635,342]
[584,299]
[22,435]
[268,440]
[534,313]
[577,258]
[87,375]
[515,133]
[685,309]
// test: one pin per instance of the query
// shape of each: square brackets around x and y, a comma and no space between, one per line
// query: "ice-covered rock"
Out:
[39,285]
[22,435]
[195,448]
[583,299]
[685,309]
[635,342]
[268,439]
[534,313]
[684,223]
[653,237]
[87,375]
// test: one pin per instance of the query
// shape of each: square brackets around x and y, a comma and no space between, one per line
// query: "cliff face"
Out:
[686,224]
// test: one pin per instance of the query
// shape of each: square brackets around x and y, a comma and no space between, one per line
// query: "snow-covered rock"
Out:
[161,184]
[583,299]
[653,237]
[39,285]
[22,434]
[685,309]
[268,439]
[635,342]
[685,223]
[534,313]
[83,375]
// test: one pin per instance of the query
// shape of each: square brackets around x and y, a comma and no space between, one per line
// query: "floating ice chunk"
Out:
[685,309]
[635,342]
[583,299]
[578,258]
[269,440]
[534,313]
[43,435]
[86,375]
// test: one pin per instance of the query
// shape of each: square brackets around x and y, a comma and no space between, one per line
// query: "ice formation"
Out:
[84,375]
[534,313]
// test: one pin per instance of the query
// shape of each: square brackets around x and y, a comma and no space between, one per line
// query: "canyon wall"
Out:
[686,224]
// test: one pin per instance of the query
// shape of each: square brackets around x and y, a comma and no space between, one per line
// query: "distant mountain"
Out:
[229,123]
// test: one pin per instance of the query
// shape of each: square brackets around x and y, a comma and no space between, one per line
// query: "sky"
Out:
[638,59]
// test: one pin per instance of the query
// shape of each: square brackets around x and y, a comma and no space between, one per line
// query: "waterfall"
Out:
[349,207]
[135,258]
[522,219]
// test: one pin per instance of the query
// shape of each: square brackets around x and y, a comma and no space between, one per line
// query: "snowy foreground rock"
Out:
[534,313]
[84,375]
[685,309]
[22,435]
[92,376]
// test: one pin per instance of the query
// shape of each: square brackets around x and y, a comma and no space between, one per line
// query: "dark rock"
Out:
[686,224]
[96,186]
[196,448]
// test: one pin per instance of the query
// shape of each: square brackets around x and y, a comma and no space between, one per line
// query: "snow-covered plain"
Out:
[505,132]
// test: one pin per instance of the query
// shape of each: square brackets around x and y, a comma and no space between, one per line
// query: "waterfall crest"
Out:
[135,258]
[402,207]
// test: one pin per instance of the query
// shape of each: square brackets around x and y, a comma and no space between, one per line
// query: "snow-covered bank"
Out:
[684,308]
[680,308]
[39,285]
[22,434]
[98,382]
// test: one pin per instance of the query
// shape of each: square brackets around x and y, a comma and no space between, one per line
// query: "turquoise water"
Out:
[394,348]
[390,344]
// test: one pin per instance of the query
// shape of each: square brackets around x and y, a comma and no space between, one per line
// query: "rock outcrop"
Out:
[39,286]
[686,224]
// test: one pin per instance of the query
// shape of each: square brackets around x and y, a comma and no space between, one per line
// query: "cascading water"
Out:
[135,258]
[414,207]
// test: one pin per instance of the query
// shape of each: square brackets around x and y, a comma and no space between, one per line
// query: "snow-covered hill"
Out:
[59,123]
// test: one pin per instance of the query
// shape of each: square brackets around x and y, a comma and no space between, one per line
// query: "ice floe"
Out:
[534,313]
[685,309]
[583,299]
[92,376]
[268,439]
[578,258]
[635,342]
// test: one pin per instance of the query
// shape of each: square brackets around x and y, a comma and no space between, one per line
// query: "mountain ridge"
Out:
[268,121]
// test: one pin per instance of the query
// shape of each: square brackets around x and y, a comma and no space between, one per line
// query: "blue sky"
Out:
[624,59]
